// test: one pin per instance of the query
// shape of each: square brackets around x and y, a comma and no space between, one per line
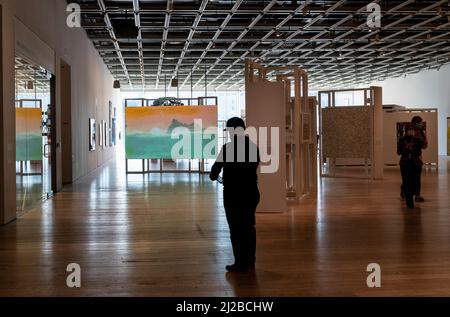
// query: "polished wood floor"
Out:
[166,235]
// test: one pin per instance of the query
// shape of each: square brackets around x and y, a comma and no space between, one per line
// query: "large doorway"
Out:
[35,148]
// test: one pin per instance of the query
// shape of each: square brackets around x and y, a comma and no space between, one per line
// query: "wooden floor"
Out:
[166,235]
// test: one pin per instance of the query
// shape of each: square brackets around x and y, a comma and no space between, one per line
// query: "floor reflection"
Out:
[166,235]
[244,284]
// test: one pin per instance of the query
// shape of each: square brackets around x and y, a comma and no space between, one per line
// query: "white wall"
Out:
[427,89]
[91,88]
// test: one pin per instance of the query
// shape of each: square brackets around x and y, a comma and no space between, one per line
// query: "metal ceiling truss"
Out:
[25,73]
[146,42]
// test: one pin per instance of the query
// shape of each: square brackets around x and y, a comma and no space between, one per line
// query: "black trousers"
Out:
[240,208]
[411,178]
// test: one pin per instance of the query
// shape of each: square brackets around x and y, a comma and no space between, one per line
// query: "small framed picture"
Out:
[92,134]
[105,134]
[100,134]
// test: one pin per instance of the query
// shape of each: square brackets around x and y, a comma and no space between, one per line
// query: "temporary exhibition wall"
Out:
[283,104]
[265,110]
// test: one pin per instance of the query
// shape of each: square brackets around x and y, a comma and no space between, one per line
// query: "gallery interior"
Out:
[93,91]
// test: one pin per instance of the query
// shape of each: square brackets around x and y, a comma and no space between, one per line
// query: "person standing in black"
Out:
[239,160]
[410,148]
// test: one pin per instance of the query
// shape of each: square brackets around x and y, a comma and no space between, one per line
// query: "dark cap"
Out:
[236,122]
[416,119]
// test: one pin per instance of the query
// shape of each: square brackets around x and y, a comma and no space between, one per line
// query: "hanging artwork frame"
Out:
[92,134]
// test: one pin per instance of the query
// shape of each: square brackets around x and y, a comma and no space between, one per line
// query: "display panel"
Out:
[153,132]
[28,134]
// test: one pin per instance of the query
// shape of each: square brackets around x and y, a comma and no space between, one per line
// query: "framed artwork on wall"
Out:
[113,131]
[110,123]
[100,134]
[92,134]
[105,134]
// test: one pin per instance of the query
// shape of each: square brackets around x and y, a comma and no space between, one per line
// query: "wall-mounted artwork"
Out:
[113,131]
[28,134]
[92,134]
[105,134]
[149,130]
[110,118]
[100,133]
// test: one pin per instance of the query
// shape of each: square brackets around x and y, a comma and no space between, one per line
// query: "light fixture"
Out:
[116,84]
[29,85]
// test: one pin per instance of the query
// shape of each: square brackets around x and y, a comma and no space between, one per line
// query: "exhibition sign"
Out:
[28,134]
[171,132]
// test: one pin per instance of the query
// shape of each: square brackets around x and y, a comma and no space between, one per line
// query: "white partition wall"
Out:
[283,104]
[265,109]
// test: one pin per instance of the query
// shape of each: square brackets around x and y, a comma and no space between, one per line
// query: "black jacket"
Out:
[239,160]
[410,148]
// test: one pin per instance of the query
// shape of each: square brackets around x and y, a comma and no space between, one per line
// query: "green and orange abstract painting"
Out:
[149,130]
[28,134]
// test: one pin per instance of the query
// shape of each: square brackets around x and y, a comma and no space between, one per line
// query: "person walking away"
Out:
[410,148]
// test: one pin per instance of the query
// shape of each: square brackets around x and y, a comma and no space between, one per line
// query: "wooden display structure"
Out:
[373,162]
[284,103]
[146,163]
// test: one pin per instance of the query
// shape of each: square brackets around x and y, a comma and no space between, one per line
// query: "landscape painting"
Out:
[28,134]
[149,130]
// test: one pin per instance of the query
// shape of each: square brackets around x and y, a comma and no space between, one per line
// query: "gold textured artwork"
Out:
[346,132]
